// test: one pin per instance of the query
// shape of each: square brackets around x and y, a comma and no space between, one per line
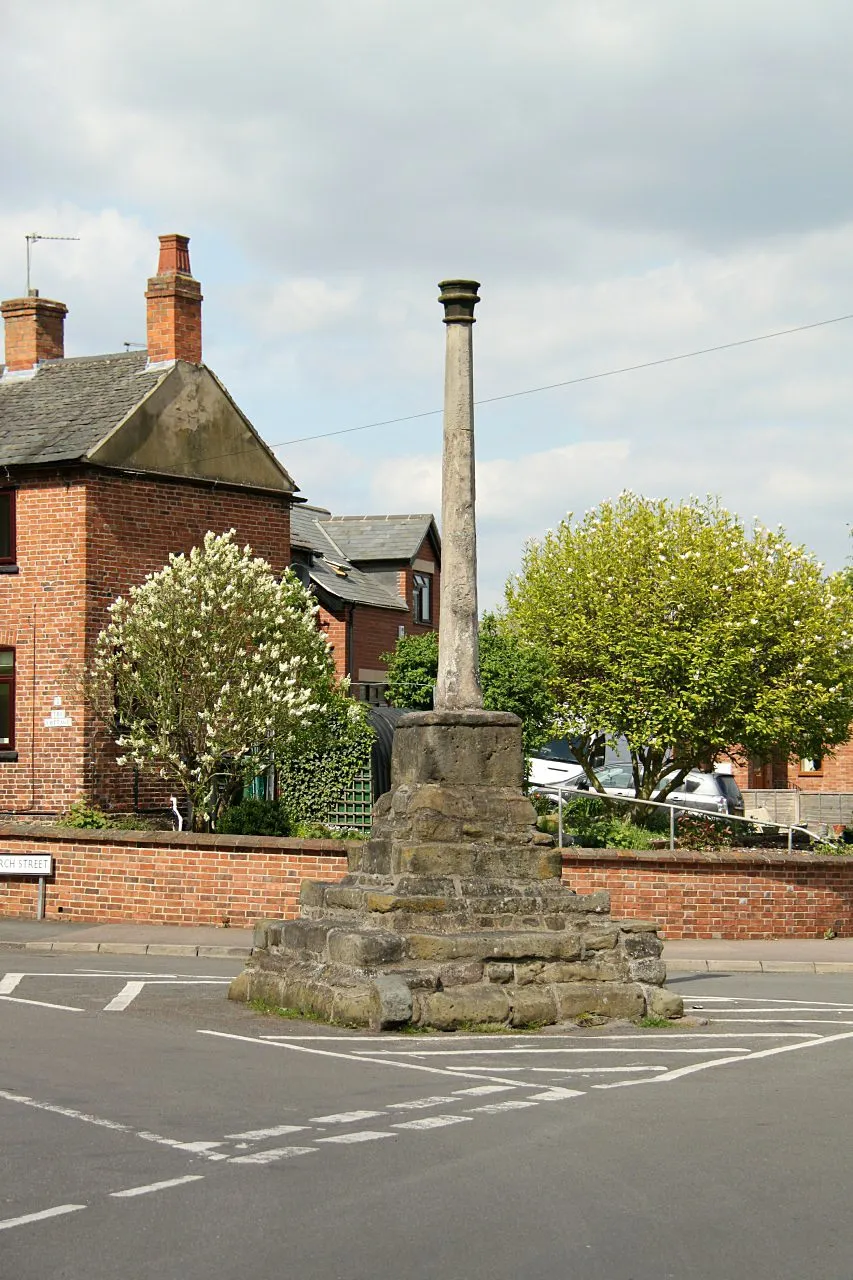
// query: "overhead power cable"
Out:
[568,382]
[572,382]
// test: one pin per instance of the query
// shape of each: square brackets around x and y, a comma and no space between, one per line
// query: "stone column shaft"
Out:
[458,685]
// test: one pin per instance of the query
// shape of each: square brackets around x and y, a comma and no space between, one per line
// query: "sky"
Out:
[628,183]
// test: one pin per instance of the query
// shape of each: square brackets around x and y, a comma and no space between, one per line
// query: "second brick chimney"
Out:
[35,331]
[174,305]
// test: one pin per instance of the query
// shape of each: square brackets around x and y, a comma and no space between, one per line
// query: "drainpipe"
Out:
[350,640]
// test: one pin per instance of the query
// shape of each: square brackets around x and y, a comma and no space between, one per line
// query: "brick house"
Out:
[375,578]
[823,774]
[107,464]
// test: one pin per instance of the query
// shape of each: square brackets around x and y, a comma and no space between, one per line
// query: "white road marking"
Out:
[557,1094]
[508,1104]
[346,1117]
[128,993]
[39,1217]
[195,1148]
[788,1035]
[485,1088]
[360,1135]
[43,1004]
[349,1057]
[596,1071]
[418,1104]
[275,1153]
[69,1112]
[278,1131]
[432,1122]
[8,983]
[678,1072]
[156,1186]
[658,1049]
[767,1000]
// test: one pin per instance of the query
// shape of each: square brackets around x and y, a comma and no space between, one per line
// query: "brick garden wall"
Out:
[165,878]
[737,894]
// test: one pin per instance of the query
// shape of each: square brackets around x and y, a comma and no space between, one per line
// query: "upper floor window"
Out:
[421,592]
[7,526]
[7,699]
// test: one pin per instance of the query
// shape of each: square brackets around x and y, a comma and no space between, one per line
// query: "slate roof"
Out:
[380,537]
[68,406]
[330,569]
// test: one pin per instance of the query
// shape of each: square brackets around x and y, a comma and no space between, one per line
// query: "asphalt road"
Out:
[149,1128]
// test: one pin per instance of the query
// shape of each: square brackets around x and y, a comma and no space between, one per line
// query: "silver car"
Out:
[713,792]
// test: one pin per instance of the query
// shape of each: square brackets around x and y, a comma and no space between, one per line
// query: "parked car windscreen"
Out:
[558,749]
[728,786]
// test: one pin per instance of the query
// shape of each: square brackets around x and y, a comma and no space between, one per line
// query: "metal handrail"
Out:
[663,804]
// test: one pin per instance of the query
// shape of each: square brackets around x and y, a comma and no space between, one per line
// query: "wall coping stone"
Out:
[174,839]
[713,857]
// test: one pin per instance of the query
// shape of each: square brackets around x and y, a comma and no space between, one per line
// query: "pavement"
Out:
[718,955]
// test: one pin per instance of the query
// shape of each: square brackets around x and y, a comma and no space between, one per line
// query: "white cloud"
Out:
[628,182]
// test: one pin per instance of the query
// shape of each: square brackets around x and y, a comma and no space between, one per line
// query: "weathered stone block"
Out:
[601,938]
[637,945]
[428,825]
[647,969]
[460,973]
[610,999]
[461,1006]
[664,1004]
[532,1006]
[304,937]
[390,1002]
[457,747]
[364,950]
[529,972]
[498,971]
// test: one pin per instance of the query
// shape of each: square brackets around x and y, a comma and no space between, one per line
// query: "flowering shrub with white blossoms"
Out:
[675,627]
[213,668]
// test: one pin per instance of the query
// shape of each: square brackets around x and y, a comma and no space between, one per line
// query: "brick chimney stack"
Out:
[174,305]
[35,331]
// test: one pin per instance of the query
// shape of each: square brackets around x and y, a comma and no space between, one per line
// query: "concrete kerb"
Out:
[721,967]
[130,949]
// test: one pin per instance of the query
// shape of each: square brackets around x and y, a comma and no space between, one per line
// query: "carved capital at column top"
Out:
[459,298]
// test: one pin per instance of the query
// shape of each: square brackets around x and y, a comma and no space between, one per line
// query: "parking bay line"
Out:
[692,1067]
[44,1004]
[156,1186]
[455,1072]
[55,1212]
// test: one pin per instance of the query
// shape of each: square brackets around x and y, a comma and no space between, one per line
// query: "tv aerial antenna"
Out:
[32,237]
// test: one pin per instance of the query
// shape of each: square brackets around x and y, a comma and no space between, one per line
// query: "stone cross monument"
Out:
[454,911]
[458,686]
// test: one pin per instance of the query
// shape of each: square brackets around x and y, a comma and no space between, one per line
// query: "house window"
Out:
[7,699]
[421,591]
[7,526]
[811,764]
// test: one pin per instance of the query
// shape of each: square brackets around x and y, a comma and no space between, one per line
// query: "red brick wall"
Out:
[335,627]
[195,879]
[132,526]
[151,878]
[83,539]
[42,616]
[835,775]
[736,894]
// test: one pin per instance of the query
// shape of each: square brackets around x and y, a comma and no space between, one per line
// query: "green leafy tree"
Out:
[514,676]
[674,627]
[214,668]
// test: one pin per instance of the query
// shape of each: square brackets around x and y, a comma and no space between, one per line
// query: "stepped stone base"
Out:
[454,914]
